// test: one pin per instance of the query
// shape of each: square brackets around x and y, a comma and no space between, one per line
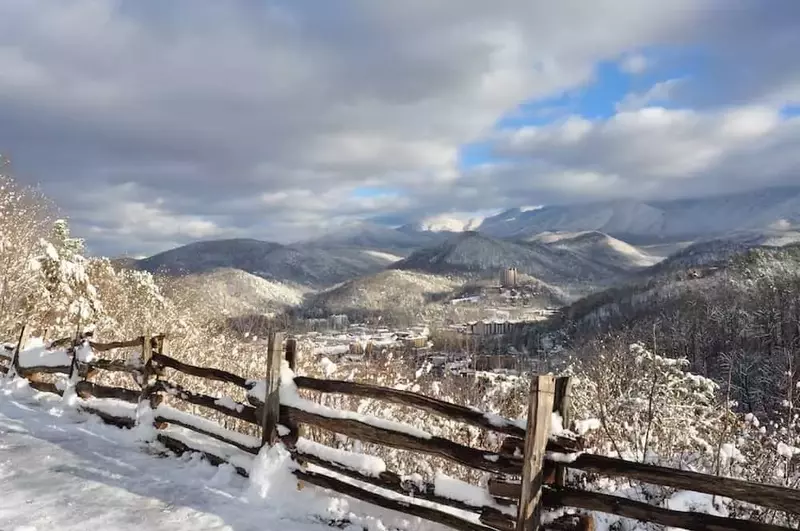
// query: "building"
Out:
[508,278]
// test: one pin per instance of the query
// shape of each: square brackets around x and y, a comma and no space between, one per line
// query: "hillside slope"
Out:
[598,247]
[391,291]
[374,237]
[309,266]
[234,292]
[474,255]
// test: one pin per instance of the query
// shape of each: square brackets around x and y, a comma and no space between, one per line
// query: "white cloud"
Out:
[634,63]
[656,152]
[659,93]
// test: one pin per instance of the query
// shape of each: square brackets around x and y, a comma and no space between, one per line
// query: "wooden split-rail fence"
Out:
[528,472]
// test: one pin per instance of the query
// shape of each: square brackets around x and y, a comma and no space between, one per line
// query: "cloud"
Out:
[155,123]
[658,93]
[654,152]
[634,63]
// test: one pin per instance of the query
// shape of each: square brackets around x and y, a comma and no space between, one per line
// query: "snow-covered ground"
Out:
[62,470]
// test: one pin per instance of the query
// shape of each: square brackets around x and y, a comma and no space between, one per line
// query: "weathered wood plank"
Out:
[201,372]
[115,366]
[120,422]
[433,515]
[471,457]
[593,501]
[103,347]
[88,389]
[407,398]
[46,387]
[540,410]
[391,481]
[179,448]
[242,411]
[169,419]
[771,496]
[60,369]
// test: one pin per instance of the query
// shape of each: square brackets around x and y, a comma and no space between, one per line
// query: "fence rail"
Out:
[529,452]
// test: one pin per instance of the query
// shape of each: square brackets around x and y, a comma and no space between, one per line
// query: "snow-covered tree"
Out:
[25,217]
[66,299]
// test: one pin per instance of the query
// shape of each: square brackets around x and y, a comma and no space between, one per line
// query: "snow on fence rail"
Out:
[528,470]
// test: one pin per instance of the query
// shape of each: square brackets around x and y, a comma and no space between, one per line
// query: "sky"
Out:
[153,124]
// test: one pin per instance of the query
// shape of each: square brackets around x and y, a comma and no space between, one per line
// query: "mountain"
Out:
[391,291]
[374,237]
[714,252]
[598,247]
[474,255]
[308,266]
[651,221]
[234,292]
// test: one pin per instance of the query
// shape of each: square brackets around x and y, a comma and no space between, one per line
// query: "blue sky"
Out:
[598,99]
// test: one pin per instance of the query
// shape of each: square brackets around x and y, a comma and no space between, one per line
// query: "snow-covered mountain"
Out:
[598,247]
[444,223]
[374,237]
[235,292]
[717,251]
[776,208]
[387,291]
[471,254]
[304,265]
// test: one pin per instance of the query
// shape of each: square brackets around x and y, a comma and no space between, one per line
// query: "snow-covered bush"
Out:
[650,408]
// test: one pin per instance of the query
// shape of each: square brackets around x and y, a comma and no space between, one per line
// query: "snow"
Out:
[388,257]
[65,471]
[687,501]
[365,464]
[458,490]
[328,367]
[331,350]
[111,406]
[498,421]
[62,472]
[556,424]
[37,355]
[584,426]
[450,223]
[199,442]
[784,450]
[207,425]
[562,458]
[290,397]
[229,403]
[85,353]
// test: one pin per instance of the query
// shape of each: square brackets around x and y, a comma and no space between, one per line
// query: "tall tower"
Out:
[508,278]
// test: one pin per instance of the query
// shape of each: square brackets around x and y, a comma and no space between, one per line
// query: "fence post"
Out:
[272,400]
[69,393]
[23,339]
[154,391]
[146,369]
[562,405]
[294,428]
[540,409]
